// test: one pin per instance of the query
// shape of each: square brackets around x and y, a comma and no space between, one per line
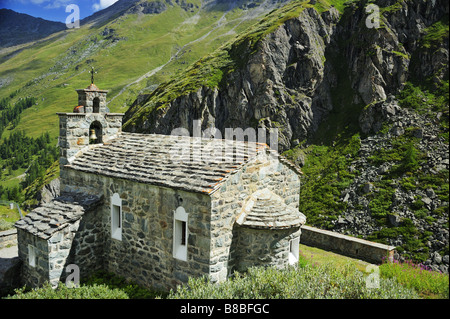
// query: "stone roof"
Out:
[266,210]
[179,162]
[59,213]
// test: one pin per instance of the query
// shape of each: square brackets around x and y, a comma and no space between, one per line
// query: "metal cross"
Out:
[92,72]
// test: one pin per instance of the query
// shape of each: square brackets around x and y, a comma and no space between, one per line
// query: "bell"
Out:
[93,137]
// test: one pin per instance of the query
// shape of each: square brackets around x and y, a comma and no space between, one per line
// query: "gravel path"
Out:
[9,273]
[7,258]
[7,253]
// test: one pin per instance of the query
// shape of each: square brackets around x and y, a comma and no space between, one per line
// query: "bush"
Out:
[101,285]
[308,282]
[326,175]
[412,97]
[132,290]
[5,225]
[62,292]
[410,159]
[380,205]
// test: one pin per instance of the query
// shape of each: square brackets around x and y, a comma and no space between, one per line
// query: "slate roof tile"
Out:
[165,160]
[51,217]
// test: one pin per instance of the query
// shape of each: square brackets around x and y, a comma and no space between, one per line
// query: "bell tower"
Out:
[89,124]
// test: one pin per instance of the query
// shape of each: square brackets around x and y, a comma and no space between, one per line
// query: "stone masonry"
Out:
[158,209]
[51,231]
[213,243]
[74,131]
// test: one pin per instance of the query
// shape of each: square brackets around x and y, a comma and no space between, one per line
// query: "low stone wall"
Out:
[346,245]
[8,238]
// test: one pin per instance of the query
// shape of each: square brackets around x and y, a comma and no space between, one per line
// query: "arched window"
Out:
[96,105]
[180,234]
[95,133]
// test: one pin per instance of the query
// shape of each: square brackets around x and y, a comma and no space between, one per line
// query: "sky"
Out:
[55,10]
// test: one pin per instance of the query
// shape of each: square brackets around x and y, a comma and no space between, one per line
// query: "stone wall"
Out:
[10,265]
[8,238]
[265,171]
[37,275]
[74,131]
[59,247]
[256,247]
[80,243]
[144,254]
[346,245]
[88,244]
[52,256]
[86,98]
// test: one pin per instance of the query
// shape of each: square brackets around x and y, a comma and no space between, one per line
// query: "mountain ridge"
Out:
[124,51]
[18,28]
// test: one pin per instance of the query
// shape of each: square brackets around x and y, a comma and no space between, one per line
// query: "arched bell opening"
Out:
[95,133]
[96,105]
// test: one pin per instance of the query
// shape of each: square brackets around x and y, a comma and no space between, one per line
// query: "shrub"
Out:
[62,292]
[435,33]
[410,159]
[411,97]
[408,183]
[112,281]
[381,203]
[308,282]
[326,175]
[101,285]
[5,225]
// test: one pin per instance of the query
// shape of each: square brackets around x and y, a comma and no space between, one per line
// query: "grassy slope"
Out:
[8,217]
[52,70]
[321,256]
[429,285]
[149,42]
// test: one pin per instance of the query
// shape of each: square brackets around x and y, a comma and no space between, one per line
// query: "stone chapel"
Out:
[150,208]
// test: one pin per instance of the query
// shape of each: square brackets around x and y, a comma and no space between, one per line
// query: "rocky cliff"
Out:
[276,82]
[317,74]
[286,79]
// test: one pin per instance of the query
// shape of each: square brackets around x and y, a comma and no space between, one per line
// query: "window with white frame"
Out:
[180,234]
[116,217]
[32,255]
[294,250]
